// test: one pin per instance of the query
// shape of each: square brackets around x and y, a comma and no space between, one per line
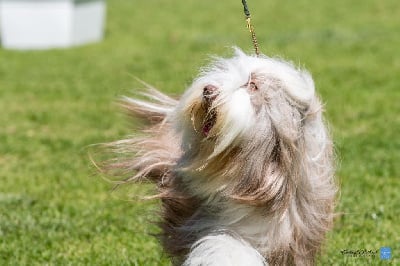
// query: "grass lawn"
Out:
[55,209]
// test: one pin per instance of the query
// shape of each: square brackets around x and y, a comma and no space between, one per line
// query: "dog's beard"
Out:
[218,120]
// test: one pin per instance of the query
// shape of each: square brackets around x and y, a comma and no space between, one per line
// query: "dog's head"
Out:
[253,117]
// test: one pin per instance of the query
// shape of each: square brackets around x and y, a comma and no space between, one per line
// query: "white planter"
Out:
[44,24]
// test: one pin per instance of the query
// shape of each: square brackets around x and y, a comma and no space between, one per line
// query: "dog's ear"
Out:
[305,156]
[315,188]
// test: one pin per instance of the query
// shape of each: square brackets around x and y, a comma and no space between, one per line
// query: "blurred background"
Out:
[54,103]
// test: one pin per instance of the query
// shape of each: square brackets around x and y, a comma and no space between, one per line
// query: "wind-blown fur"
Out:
[243,164]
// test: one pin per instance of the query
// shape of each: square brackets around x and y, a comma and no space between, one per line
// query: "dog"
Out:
[243,164]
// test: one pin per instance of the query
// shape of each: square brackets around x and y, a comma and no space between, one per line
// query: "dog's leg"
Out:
[223,249]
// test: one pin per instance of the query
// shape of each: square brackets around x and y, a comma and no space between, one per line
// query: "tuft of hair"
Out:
[150,154]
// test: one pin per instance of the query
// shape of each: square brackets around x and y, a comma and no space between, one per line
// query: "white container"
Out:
[46,24]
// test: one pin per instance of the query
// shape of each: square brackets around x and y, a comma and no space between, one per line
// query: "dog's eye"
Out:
[252,87]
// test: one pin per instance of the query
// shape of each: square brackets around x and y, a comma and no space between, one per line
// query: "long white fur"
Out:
[239,114]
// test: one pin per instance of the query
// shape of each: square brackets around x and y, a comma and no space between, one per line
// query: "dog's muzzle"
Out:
[210,93]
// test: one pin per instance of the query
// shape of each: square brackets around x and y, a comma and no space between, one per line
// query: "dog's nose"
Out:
[210,92]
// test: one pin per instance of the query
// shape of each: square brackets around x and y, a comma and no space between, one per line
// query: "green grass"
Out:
[55,210]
